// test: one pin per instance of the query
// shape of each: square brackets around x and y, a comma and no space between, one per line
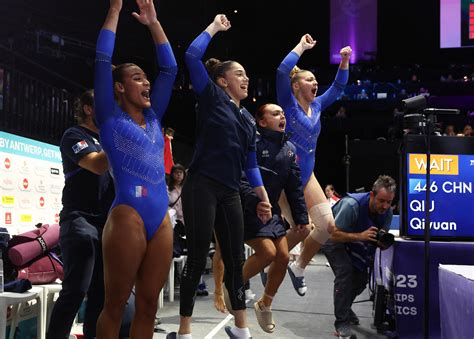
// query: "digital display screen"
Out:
[451,200]
[456,23]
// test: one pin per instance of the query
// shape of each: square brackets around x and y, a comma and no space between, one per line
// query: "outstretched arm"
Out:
[163,86]
[306,42]
[197,71]
[283,82]
[345,53]
[112,18]
[147,17]
[340,82]
[103,84]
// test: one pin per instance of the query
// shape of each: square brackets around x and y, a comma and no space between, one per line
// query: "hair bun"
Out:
[295,70]
[211,64]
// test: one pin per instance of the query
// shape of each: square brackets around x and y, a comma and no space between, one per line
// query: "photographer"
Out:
[361,220]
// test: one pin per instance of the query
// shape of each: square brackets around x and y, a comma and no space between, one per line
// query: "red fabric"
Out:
[168,155]
[332,200]
[44,270]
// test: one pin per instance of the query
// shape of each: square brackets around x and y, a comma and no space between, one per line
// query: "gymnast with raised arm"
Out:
[225,146]
[296,94]
[137,238]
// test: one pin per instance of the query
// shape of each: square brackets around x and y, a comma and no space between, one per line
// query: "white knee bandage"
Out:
[322,218]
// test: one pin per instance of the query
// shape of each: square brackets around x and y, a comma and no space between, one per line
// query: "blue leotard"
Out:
[304,130]
[135,154]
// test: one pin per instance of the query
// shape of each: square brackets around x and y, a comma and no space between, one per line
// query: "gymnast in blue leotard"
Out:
[296,94]
[137,238]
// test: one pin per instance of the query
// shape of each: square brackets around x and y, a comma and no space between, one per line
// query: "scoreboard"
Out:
[451,204]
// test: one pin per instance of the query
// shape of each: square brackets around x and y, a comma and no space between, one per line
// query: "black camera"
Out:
[384,239]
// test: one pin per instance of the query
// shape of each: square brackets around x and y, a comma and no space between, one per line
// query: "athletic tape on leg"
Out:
[322,218]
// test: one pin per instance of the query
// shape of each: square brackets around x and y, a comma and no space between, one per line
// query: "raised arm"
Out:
[283,82]
[103,83]
[163,86]
[197,70]
[111,20]
[340,82]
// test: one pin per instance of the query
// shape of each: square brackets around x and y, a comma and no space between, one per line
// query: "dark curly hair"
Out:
[86,98]
[176,167]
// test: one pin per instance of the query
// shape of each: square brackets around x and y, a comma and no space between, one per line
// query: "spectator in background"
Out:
[362,95]
[175,184]
[168,151]
[331,194]
[449,131]
[467,131]
[341,113]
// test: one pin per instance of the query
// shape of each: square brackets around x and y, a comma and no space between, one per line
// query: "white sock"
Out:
[184,336]
[297,270]
[241,332]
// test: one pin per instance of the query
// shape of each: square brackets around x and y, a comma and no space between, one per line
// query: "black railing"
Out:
[32,108]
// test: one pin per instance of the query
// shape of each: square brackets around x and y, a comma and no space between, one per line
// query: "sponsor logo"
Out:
[40,186]
[56,203]
[7,164]
[41,202]
[54,171]
[79,146]
[265,153]
[24,201]
[42,244]
[26,218]
[8,218]
[55,188]
[40,171]
[56,218]
[24,168]
[24,185]
[7,184]
[8,201]
[439,164]
[96,141]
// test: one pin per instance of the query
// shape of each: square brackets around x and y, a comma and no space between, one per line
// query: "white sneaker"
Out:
[249,295]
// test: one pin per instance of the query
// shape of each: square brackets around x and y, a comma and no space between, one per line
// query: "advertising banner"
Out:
[31,183]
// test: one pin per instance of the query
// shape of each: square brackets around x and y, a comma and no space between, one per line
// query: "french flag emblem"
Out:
[140,191]
[80,146]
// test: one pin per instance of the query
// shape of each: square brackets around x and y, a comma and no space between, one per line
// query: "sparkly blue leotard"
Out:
[304,130]
[135,154]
